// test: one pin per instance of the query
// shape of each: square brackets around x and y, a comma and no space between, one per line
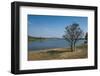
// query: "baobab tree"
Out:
[73,33]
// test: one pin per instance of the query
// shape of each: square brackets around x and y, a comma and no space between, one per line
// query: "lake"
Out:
[50,43]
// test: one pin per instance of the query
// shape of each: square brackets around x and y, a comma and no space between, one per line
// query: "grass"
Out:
[59,53]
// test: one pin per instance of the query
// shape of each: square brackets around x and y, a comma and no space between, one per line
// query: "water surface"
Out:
[50,43]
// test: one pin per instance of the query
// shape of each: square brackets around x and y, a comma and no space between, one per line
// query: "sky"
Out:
[53,26]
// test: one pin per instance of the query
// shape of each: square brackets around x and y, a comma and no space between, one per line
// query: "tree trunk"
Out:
[71,47]
[74,46]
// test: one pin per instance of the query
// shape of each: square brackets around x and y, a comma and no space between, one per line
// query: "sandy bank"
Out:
[58,53]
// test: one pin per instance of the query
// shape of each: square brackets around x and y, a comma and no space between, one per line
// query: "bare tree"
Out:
[72,34]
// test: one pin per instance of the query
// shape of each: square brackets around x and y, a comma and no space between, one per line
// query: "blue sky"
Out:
[53,26]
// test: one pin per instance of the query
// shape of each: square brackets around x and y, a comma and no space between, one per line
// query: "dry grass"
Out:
[59,53]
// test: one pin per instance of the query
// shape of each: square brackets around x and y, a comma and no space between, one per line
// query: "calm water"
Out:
[50,43]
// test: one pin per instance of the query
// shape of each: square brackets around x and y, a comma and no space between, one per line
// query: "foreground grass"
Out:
[59,53]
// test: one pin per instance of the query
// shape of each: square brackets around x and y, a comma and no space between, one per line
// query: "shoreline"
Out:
[58,53]
[54,49]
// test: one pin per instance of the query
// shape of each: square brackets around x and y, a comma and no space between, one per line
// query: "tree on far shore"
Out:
[86,38]
[73,33]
